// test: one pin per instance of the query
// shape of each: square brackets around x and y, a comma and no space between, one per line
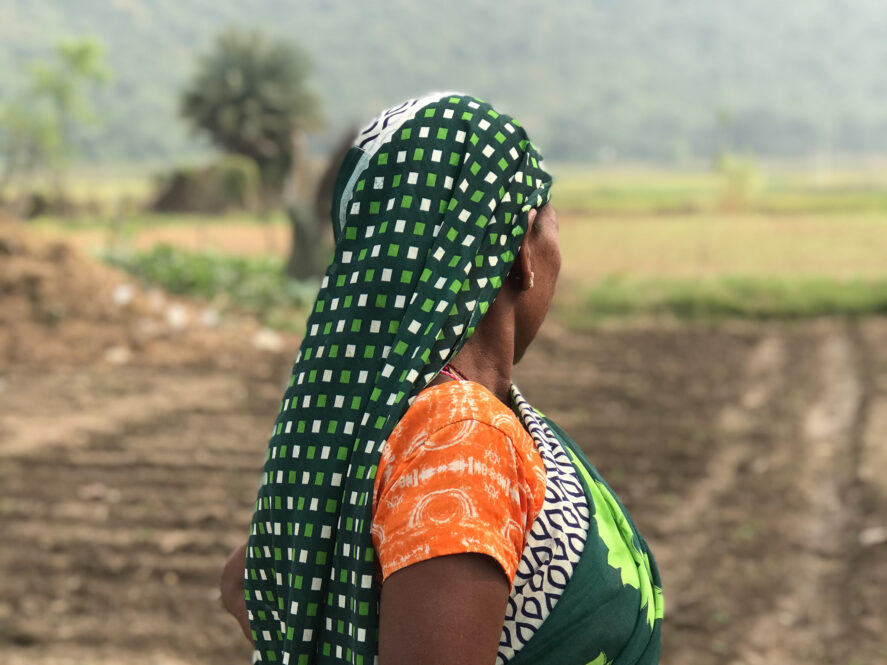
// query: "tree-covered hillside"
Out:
[594,79]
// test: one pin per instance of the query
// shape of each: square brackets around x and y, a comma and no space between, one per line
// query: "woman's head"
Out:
[436,197]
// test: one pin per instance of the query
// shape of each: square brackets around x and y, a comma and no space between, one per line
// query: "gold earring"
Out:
[532,279]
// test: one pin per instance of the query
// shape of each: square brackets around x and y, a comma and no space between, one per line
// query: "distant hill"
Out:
[594,80]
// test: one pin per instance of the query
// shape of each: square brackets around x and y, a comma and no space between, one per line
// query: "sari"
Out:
[429,211]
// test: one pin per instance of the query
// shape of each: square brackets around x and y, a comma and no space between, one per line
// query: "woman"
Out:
[414,508]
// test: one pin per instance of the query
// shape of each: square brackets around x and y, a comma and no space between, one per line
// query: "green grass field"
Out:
[726,296]
[709,244]
[634,244]
[630,192]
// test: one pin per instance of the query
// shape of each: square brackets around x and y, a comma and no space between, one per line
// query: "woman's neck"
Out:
[488,356]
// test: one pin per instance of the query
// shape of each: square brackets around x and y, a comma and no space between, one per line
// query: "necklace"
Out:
[453,373]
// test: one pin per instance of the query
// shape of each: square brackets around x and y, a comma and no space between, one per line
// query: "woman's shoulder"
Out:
[463,413]
[453,402]
[458,474]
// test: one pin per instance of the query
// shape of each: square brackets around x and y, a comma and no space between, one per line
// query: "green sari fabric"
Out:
[597,620]
[429,213]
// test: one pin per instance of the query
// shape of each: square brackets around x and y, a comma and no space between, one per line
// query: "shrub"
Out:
[231,183]
[254,284]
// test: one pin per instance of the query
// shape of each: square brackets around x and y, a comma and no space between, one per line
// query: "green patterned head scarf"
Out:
[430,209]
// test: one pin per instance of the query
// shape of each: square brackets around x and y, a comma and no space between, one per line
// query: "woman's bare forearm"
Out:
[231,586]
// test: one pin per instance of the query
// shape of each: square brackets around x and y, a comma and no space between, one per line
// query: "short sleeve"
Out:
[462,488]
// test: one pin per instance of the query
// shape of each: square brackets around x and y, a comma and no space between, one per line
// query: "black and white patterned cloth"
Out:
[554,544]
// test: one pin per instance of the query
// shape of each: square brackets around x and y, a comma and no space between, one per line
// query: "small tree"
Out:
[250,95]
[36,130]
[27,140]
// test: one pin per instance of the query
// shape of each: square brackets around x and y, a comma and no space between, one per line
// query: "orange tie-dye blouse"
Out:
[458,474]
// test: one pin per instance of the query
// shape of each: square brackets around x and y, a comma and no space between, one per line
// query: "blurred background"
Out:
[718,347]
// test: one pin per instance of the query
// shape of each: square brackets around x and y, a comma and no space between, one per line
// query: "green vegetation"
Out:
[668,245]
[254,284]
[257,285]
[813,260]
[733,297]
[36,128]
[597,81]
[734,86]
[733,187]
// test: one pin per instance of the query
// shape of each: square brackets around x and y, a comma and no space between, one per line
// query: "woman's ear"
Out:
[524,262]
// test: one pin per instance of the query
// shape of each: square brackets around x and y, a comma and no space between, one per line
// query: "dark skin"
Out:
[450,609]
[231,586]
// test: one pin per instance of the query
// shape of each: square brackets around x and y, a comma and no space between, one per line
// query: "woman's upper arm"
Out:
[452,504]
[445,610]
[463,489]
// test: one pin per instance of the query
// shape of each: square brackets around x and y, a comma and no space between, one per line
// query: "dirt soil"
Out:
[200,236]
[133,426]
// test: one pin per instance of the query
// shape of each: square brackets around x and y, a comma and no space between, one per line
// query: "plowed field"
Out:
[753,457]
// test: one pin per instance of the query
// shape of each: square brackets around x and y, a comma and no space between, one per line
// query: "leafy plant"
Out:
[35,130]
[254,284]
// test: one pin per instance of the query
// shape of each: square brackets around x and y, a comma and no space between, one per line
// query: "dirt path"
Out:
[751,456]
